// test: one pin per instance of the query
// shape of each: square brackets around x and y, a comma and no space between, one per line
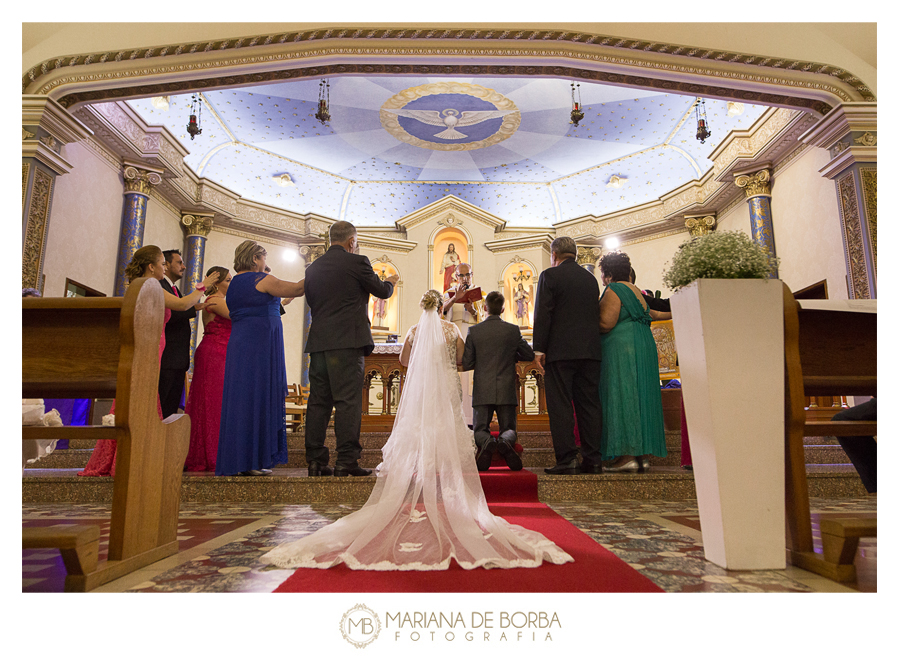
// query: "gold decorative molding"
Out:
[390,119]
[867,139]
[854,248]
[588,255]
[756,184]
[197,224]
[669,60]
[697,226]
[27,135]
[38,217]
[247,235]
[309,253]
[140,180]
[26,168]
[869,178]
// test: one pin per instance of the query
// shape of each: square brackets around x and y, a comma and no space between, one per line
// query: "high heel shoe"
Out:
[631,465]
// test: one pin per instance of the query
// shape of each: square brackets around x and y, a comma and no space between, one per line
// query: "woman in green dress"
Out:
[629,376]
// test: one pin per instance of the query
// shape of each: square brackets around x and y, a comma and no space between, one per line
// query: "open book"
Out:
[471,295]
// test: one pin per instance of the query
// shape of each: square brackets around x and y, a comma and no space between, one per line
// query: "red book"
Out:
[471,295]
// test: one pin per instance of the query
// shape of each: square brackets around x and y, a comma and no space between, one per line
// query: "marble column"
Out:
[759,198]
[850,135]
[46,128]
[309,253]
[197,228]
[134,216]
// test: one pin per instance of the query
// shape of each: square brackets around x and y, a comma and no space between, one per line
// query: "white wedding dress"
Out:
[427,505]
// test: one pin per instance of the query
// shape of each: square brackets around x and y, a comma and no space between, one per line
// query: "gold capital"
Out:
[197,224]
[700,225]
[309,253]
[140,180]
[587,255]
[754,184]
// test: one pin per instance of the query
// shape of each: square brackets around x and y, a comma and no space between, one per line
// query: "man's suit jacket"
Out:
[492,349]
[567,313]
[337,289]
[177,355]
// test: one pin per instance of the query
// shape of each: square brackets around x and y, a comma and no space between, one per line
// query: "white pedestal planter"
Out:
[730,340]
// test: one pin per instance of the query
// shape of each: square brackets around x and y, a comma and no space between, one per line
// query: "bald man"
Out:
[463,316]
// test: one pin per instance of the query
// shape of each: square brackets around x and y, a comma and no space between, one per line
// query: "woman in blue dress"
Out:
[252,435]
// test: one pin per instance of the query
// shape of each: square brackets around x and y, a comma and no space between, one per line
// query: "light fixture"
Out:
[576,115]
[616,181]
[611,243]
[283,179]
[193,126]
[323,113]
[160,102]
[735,108]
[703,130]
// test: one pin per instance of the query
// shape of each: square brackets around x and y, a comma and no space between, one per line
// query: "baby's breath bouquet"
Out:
[719,255]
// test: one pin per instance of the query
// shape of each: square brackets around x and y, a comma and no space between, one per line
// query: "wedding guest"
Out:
[204,404]
[629,378]
[176,358]
[147,261]
[338,285]
[862,450]
[567,345]
[30,292]
[492,349]
[252,434]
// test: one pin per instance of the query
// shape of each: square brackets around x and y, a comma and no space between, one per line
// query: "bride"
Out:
[427,506]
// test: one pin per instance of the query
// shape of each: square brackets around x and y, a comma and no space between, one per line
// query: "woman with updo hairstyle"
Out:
[252,433]
[147,261]
[632,426]
[428,506]
[204,403]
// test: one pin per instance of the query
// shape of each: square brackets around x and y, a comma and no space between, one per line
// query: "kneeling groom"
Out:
[492,349]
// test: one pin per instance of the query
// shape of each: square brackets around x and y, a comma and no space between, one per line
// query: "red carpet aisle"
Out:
[514,497]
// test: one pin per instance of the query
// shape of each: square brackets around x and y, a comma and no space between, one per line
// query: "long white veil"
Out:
[427,505]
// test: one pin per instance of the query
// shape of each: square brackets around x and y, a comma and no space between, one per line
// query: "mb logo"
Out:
[360,626]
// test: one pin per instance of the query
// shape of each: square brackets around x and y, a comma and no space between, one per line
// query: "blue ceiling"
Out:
[506,145]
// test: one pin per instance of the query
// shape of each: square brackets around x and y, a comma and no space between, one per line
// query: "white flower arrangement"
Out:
[719,255]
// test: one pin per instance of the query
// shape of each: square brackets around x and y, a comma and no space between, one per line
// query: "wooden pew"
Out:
[104,347]
[826,352]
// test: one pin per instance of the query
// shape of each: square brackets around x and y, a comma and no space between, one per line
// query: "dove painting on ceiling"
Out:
[450,116]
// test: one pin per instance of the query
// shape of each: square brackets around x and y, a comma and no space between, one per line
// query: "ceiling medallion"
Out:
[450,116]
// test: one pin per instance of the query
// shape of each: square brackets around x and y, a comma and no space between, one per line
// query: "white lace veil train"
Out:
[427,505]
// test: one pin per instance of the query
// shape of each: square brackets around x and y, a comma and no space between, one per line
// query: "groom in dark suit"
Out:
[567,345]
[176,357]
[338,285]
[492,349]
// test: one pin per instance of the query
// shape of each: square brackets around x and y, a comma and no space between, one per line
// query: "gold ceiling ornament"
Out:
[26,135]
[197,224]
[868,139]
[450,119]
[697,226]
[756,184]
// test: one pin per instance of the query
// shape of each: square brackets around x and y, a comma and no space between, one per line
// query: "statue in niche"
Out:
[448,266]
[522,300]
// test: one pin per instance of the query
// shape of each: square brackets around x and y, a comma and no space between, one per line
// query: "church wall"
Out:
[85,216]
[650,258]
[807,225]
[163,228]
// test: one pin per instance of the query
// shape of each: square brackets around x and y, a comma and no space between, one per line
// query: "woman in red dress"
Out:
[147,262]
[204,404]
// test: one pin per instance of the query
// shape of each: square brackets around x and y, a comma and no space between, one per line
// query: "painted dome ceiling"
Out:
[396,144]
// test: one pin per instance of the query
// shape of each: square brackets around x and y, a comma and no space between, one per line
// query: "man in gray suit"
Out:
[492,349]
[338,285]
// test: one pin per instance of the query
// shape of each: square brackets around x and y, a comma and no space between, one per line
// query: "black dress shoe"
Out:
[587,466]
[509,453]
[486,455]
[568,468]
[316,469]
[343,471]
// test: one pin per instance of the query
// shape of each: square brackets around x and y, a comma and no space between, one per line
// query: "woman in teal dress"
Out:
[629,376]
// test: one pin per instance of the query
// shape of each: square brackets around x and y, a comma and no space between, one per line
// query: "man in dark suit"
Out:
[338,285]
[567,345]
[492,349]
[176,358]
